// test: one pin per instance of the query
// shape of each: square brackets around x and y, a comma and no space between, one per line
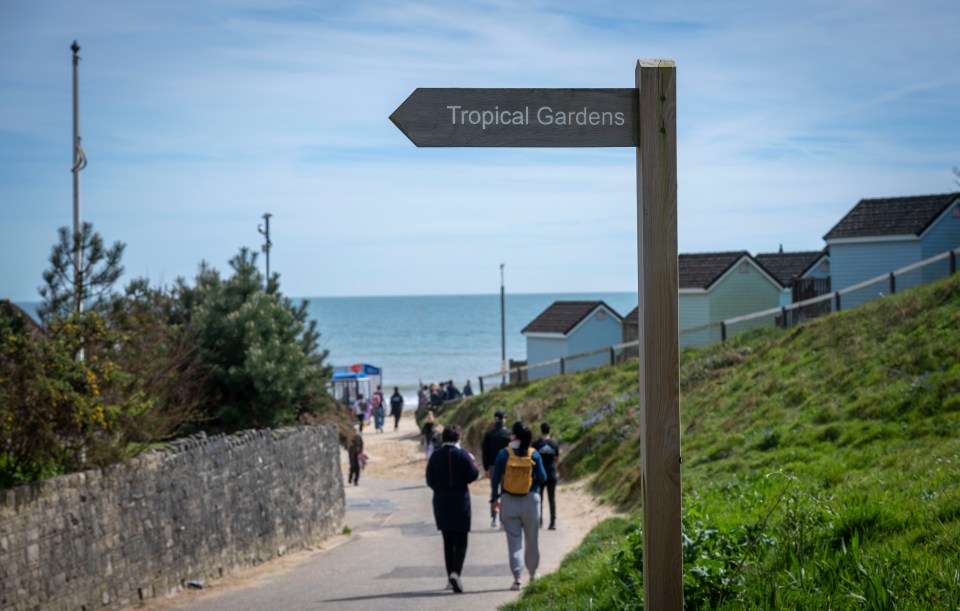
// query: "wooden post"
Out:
[893,284]
[723,331]
[836,301]
[659,335]
[953,262]
[481,385]
[563,368]
[613,356]
[783,317]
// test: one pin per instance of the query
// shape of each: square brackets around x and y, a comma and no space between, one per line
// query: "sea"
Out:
[433,338]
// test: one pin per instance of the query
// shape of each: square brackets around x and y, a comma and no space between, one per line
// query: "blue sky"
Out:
[198,117]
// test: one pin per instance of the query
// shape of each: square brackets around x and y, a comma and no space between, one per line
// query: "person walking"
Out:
[379,410]
[518,474]
[427,433]
[495,440]
[360,411]
[423,400]
[449,470]
[550,455]
[467,389]
[354,452]
[396,407]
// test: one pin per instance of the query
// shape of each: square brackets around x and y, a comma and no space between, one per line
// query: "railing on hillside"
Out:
[910,276]
[916,274]
[559,366]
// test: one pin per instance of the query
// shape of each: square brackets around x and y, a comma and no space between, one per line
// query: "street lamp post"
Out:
[265,231]
[503,333]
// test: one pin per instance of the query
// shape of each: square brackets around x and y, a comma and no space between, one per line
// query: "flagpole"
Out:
[78,163]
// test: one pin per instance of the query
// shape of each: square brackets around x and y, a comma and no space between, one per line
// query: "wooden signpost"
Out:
[645,118]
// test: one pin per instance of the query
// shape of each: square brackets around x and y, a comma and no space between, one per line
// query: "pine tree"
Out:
[260,352]
[99,271]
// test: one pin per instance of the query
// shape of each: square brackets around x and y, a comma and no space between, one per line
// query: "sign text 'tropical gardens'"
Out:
[520,117]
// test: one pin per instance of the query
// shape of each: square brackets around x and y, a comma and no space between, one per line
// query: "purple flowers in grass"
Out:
[607,409]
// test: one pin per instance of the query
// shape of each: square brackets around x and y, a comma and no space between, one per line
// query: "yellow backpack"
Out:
[518,476]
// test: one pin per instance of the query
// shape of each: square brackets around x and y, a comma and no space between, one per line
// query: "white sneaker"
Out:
[493,522]
[456,582]
[516,585]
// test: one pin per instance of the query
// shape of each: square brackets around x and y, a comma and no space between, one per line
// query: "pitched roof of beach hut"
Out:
[892,216]
[785,266]
[700,271]
[563,316]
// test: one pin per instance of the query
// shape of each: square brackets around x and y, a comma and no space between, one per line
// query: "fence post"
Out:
[613,356]
[481,385]
[563,366]
[953,262]
[893,284]
[836,301]
[723,331]
[783,317]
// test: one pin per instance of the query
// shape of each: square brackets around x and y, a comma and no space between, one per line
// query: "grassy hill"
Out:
[821,464]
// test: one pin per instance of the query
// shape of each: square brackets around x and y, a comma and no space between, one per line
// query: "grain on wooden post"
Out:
[659,335]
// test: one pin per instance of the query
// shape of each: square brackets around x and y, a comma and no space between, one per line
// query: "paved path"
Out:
[393,559]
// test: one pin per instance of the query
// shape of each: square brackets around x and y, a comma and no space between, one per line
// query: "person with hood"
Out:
[449,470]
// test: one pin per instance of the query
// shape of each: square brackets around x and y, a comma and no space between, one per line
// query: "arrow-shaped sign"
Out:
[520,117]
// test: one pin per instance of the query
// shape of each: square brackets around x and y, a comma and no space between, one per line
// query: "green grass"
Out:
[821,464]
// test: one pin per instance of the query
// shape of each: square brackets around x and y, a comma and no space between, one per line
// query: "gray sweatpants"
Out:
[520,516]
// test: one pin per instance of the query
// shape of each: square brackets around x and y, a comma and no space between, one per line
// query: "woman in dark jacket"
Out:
[449,470]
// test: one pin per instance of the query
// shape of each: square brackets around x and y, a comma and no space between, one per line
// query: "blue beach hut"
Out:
[879,236]
[567,328]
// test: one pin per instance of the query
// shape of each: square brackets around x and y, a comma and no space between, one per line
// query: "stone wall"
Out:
[198,509]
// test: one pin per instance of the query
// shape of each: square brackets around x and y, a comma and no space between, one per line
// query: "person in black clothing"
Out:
[396,407]
[353,453]
[437,396]
[550,455]
[495,440]
[449,470]
[452,393]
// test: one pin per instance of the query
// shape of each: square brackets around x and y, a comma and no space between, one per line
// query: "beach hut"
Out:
[881,235]
[803,274]
[567,328]
[717,286]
